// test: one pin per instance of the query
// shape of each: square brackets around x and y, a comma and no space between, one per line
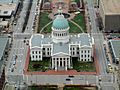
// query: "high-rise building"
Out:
[110,13]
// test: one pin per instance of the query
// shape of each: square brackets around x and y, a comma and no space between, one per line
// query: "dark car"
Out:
[67,79]
[71,76]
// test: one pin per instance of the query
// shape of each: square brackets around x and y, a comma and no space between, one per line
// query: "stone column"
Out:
[66,64]
[55,64]
[69,62]
[62,63]
[59,62]
[52,63]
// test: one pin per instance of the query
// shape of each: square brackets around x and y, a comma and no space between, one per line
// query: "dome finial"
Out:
[60,10]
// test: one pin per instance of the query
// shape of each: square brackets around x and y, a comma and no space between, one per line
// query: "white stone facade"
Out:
[60,35]
[60,46]
[62,60]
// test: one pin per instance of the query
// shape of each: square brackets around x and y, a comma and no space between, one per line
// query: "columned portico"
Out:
[60,63]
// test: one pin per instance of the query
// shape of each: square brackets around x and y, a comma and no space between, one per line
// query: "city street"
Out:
[31,19]
[19,25]
[99,39]
[61,79]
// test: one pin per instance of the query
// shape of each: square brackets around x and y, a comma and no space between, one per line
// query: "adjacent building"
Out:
[110,13]
[7,10]
[115,50]
[61,46]
[4,44]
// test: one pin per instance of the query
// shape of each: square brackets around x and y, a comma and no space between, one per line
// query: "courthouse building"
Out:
[61,46]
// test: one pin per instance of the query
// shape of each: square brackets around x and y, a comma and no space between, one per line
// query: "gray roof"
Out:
[37,40]
[83,39]
[3,42]
[61,47]
[115,44]
[8,1]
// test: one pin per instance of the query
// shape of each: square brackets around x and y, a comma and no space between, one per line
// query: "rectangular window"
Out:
[36,52]
[85,51]
[39,56]
[32,52]
[88,55]
[82,56]
[43,48]
[43,53]
[36,56]
[39,52]
[81,51]
[81,59]
[77,52]
[48,53]
[73,53]
[73,48]
[88,51]
[85,55]
[33,56]
[47,48]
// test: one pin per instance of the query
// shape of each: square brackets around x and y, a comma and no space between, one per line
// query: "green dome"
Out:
[60,22]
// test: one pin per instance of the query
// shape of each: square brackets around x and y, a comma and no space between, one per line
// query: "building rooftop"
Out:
[38,39]
[8,1]
[3,23]
[7,9]
[115,44]
[111,6]
[3,42]
[82,39]
[61,47]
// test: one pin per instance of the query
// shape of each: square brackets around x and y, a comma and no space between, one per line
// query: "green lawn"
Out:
[83,66]
[39,65]
[74,28]
[79,19]
[43,20]
[48,29]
